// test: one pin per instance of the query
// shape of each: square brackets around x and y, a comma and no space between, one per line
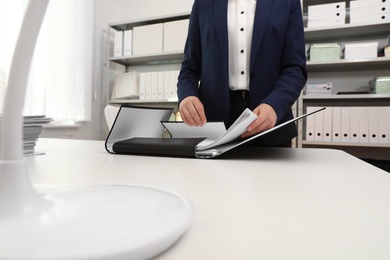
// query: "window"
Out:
[60,80]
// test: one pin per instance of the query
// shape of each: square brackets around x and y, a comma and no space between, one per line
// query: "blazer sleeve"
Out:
[191,66]
[293,75]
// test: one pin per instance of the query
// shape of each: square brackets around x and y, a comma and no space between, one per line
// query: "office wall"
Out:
[112,11]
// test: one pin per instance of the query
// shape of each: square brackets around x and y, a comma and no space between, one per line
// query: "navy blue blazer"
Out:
[277,65]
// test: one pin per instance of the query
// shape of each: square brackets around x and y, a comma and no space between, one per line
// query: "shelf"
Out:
[127,25]
[140,102]
[346,31]
[158,58]
[349,65]
[345,100]
[371,145]
[346,97]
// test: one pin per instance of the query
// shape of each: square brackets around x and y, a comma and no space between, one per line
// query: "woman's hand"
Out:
[266,119]
[192,111]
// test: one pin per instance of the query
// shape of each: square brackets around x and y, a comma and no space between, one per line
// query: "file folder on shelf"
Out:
[363,124]
[373,128]
[138,131]
[355,125]
[310,125]
[319,126]
[328,124]
[345,124]
[384,124]
[336,124]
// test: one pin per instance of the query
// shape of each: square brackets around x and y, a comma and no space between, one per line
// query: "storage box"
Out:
[318,89]
[324,52]
[324,15]
[148,39]
[367,50]
[380,85]
[356,19]
[321,8]
[175,35]
[126,85]
[368,3]
[387,51]
[339,14]
[370,13]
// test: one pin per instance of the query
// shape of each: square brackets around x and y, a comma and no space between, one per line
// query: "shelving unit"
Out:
[346,75]
[377,151]
[155,61]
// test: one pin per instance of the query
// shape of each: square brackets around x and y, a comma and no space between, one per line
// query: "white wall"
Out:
[113,11]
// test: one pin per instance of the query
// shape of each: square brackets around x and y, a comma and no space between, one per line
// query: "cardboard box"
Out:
[175,35]
[148,39]
[367,50]
[380,85]
[325,52]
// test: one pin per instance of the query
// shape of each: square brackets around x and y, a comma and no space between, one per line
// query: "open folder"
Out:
[139,131]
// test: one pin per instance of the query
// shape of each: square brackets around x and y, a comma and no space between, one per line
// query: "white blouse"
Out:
[241,15]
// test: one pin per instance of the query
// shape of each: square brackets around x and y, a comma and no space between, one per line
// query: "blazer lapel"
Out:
[262,15]
[220,20]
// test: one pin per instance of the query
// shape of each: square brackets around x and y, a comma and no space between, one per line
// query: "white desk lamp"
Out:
[95,222]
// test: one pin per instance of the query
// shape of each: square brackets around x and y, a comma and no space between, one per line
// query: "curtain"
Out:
[60,81]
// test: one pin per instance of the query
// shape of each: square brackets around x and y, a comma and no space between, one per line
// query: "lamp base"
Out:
[98,222]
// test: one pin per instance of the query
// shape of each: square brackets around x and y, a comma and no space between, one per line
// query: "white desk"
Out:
[275,204]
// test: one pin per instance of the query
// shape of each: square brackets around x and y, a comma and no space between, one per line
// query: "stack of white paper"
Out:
[32,129]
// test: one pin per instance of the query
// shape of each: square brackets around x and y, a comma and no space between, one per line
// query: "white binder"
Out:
[154,85]
[384,124]
[373,124]
[355,125]
[345,124]
[142,86]
[128,43]
[328,124]
[336,124]
[173,85]
[364,124]
[318,126]
[160,85]
[310,124]
[167,85]
[118,43]
[148,85]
